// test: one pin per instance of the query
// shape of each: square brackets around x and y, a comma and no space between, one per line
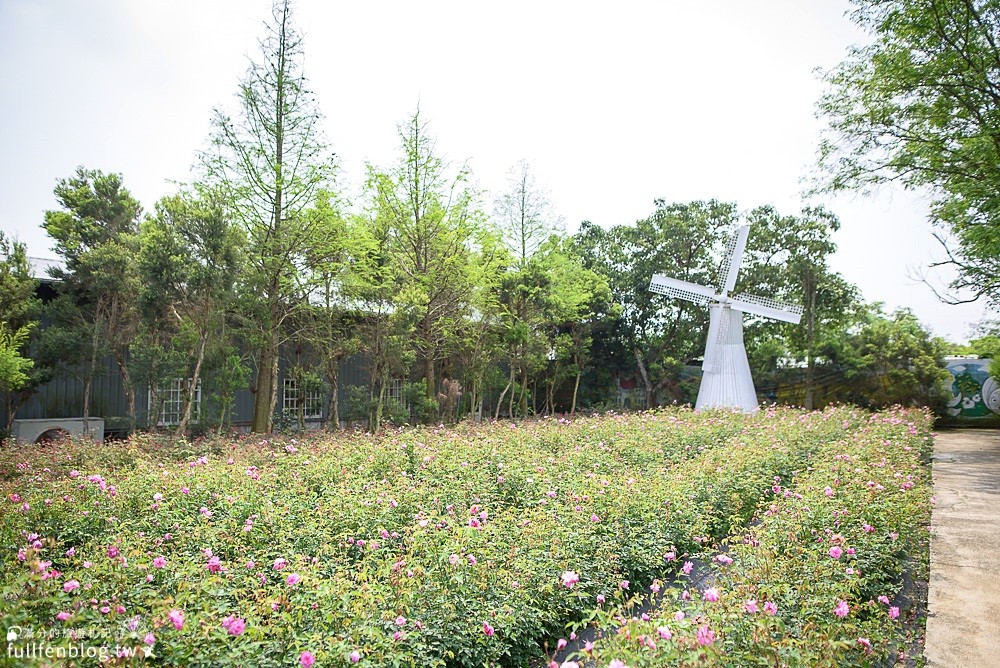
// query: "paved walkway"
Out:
[963,622]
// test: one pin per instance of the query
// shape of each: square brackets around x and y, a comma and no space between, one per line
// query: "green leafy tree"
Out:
[271,161]
[528,294]
[19,310]
[95,234]
[895,360]
[577,298]
[523,294]
[436,241]
[787,258]
[329,322]
[920,105]
[191,255]
[386,324]
[13,366]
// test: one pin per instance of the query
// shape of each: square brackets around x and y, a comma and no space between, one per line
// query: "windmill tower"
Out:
[726,381]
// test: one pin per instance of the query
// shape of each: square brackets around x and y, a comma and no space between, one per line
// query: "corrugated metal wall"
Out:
[63,396]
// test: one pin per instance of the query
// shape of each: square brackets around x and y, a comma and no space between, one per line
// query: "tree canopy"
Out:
[920,105]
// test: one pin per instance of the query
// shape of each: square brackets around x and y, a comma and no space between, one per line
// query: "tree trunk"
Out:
[576,390]
[378,407]
[127,386]
[473,399]
[810,398]
[641,366]
[10,412]
[274,390]
[510,384]
[192,388]
[88,380]
[14,402]
[522,401]
[262,408]
[333,406]
[429,374]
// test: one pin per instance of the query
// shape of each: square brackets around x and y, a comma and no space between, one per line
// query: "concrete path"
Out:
[963,622]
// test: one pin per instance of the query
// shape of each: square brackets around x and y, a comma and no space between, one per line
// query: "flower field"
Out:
[478,545]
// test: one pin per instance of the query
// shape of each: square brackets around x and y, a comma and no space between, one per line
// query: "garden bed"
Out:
[478,545]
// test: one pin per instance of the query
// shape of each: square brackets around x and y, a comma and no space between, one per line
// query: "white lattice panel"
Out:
[678,293]
[727,261]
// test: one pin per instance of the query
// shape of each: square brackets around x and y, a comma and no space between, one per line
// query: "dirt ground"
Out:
[963,622]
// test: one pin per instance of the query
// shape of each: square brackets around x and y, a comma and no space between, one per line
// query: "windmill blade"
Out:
[673,287]
[767,307]
[730,266]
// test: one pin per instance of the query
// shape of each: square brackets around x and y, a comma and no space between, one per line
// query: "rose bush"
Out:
[816,581]
[440,546]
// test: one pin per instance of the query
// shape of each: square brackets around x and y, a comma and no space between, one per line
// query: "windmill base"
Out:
[726,381]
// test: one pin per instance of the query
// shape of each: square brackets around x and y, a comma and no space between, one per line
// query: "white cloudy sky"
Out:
[613,104]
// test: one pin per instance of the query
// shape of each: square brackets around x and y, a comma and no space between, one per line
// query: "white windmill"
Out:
[726,381]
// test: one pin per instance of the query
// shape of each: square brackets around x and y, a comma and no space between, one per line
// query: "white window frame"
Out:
[171,395]
[312,407]
[394,392]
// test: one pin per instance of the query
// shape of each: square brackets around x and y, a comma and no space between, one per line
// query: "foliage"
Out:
[189,260]
[328,322]
[435,241]
[270,163]
[19,310]
[678,240]
[787,259]
[13,366]
[884,360]
[425,547]
[919,105]
[95,234]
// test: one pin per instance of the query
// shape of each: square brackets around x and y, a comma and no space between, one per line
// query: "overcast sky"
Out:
[612,104]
